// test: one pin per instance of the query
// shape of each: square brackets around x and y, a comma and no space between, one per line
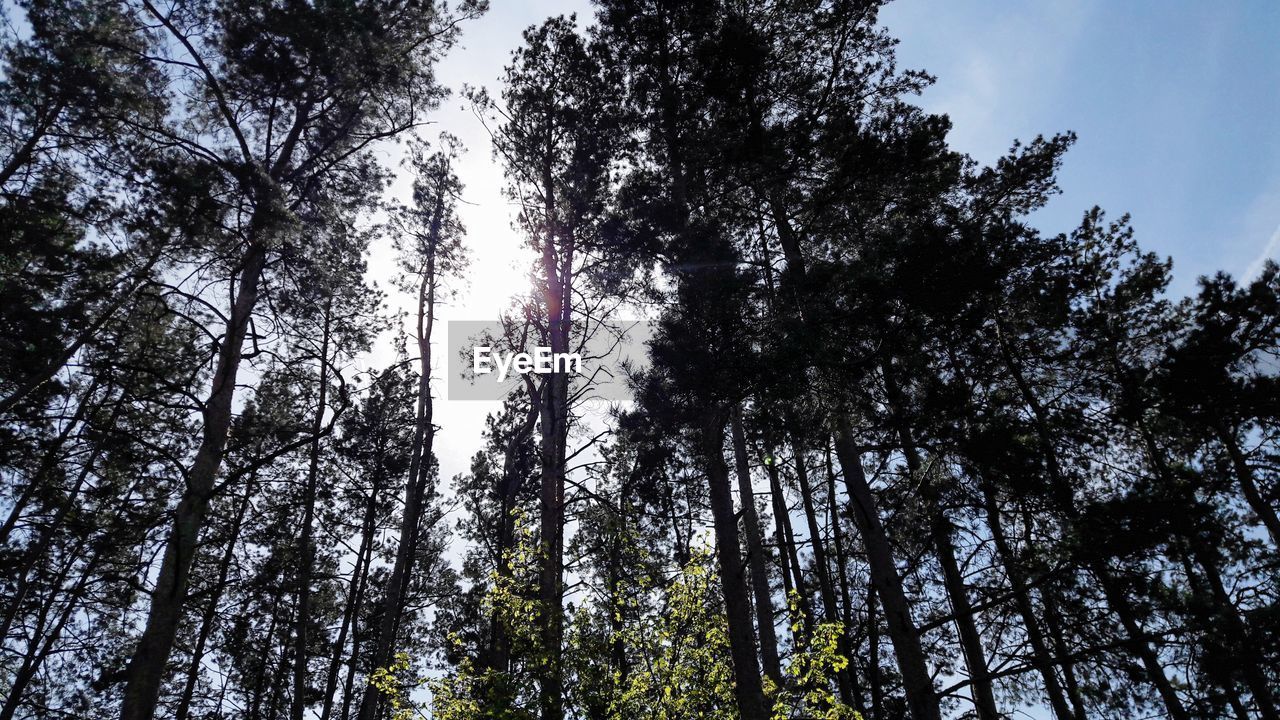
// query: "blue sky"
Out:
[1176,104]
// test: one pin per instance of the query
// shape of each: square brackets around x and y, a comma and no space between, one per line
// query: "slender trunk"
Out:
[681,537]
[873,650]
[830,609]
[40,546]
[755,555]
[498,657]
[207,621]
[790,559]
[784,559]
[350,611]
[415,494]
[1118,599]
[1248,485]
[357,638]
[261,682]
[787,547]
[618,646]
[846,596]
[26,669]
[44,374]
[146,669]
[51,459]
[279,685]
[922,699]
[1237,634]
[1052,620]
[970,639]
[1022,599]
[306,553]
[38,652]
[941,532]
[748,690]
[26,151]
[557,274]
[1224,680]
[551,505]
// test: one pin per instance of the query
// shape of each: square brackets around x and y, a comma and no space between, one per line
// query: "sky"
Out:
[1176,104]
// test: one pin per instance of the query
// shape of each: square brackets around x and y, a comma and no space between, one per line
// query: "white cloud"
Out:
[1271,251]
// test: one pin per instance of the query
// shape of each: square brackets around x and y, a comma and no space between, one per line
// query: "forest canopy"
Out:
[897,451]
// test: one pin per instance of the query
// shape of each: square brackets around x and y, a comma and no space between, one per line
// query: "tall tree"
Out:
[431,253]
[558,141]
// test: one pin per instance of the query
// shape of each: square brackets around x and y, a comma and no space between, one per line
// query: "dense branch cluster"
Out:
[897,452]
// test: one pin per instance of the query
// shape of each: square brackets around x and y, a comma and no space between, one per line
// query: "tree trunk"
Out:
[50,460]
[617,621]
[846,597]
[755,554]
[1238,635]
[787,547]
[1234,627]
[207,621]
[38,652]
[46,373]
[1052,620]
[830,606]
[1248,485]
[873,650]
[748,690]
[1119,602]
[262,682]
[1224,680]
[941,531]
[306,554]
[557,290]
[1022,599]
[351,608]
[146,669]
[1065,505]
[415,494]
[554,427]
[357,638]
[984,700]
[922,699]
[781,541]
[37,551]
[24,153]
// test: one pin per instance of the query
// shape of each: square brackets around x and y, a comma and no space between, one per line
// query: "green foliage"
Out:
[472,690]
[392,683]
[811,672]
[681,667]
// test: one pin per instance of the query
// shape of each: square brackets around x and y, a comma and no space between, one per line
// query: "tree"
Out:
[431,253]
[558,140]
